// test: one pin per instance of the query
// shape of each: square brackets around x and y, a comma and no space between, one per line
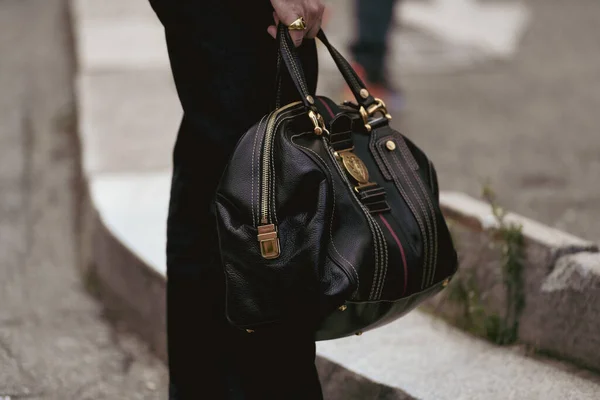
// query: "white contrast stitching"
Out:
[283,117]
[416,215]
[374,228]
[378,236]
[404,149]
[254,219]
[385,269]
[423,208]
[380,250]
[292,62]
[332,211]
[433,219]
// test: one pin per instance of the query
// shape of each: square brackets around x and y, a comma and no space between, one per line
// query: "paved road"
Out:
[54,342]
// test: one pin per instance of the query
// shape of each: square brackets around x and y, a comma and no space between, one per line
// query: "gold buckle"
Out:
[269,241]
[318,122]
[378,107]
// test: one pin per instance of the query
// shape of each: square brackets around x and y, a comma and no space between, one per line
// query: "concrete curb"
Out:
[561,277]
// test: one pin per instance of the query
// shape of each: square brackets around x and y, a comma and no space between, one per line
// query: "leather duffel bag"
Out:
[327,217]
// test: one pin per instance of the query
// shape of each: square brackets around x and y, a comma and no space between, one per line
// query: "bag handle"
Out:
[368,105]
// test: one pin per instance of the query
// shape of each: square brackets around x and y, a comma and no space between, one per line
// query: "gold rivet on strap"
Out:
[343,308]
[446,282]
[310,99]
[364,93]
[250,330]
[391,146]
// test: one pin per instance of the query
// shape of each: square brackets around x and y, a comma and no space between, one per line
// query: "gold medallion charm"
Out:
[355,167]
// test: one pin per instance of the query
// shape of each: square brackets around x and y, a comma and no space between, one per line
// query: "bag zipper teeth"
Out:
[267,231]
[256,177]
[266,164]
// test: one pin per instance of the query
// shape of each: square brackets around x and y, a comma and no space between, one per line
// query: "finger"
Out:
[272,31]
[313,30]
[289,15]
[326,16]
[314,21]
[297,37]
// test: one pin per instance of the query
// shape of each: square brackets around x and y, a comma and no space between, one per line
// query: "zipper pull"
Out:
[269,241]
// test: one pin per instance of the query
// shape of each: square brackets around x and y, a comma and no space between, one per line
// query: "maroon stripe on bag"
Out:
[389,228]
[385,222]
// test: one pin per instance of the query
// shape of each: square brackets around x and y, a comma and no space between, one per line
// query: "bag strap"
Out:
[359,90]
[288,56]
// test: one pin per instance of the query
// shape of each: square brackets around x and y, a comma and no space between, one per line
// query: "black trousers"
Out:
[224,63]
[374,19]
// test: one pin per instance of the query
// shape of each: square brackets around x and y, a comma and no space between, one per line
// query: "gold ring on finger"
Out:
[298,25]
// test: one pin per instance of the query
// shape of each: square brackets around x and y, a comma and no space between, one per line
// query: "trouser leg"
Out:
[374,19]
[224,71]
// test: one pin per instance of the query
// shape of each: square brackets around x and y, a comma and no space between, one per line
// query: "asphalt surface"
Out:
[54,340]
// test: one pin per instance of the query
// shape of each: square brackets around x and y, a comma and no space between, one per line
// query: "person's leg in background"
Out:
[224,70]
[371,46]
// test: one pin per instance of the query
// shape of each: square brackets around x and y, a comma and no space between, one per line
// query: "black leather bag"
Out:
[327,217]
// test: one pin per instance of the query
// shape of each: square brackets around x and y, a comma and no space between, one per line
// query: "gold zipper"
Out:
[267,231]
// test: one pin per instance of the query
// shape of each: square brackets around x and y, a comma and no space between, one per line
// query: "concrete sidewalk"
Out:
[55,341]
[430,360]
